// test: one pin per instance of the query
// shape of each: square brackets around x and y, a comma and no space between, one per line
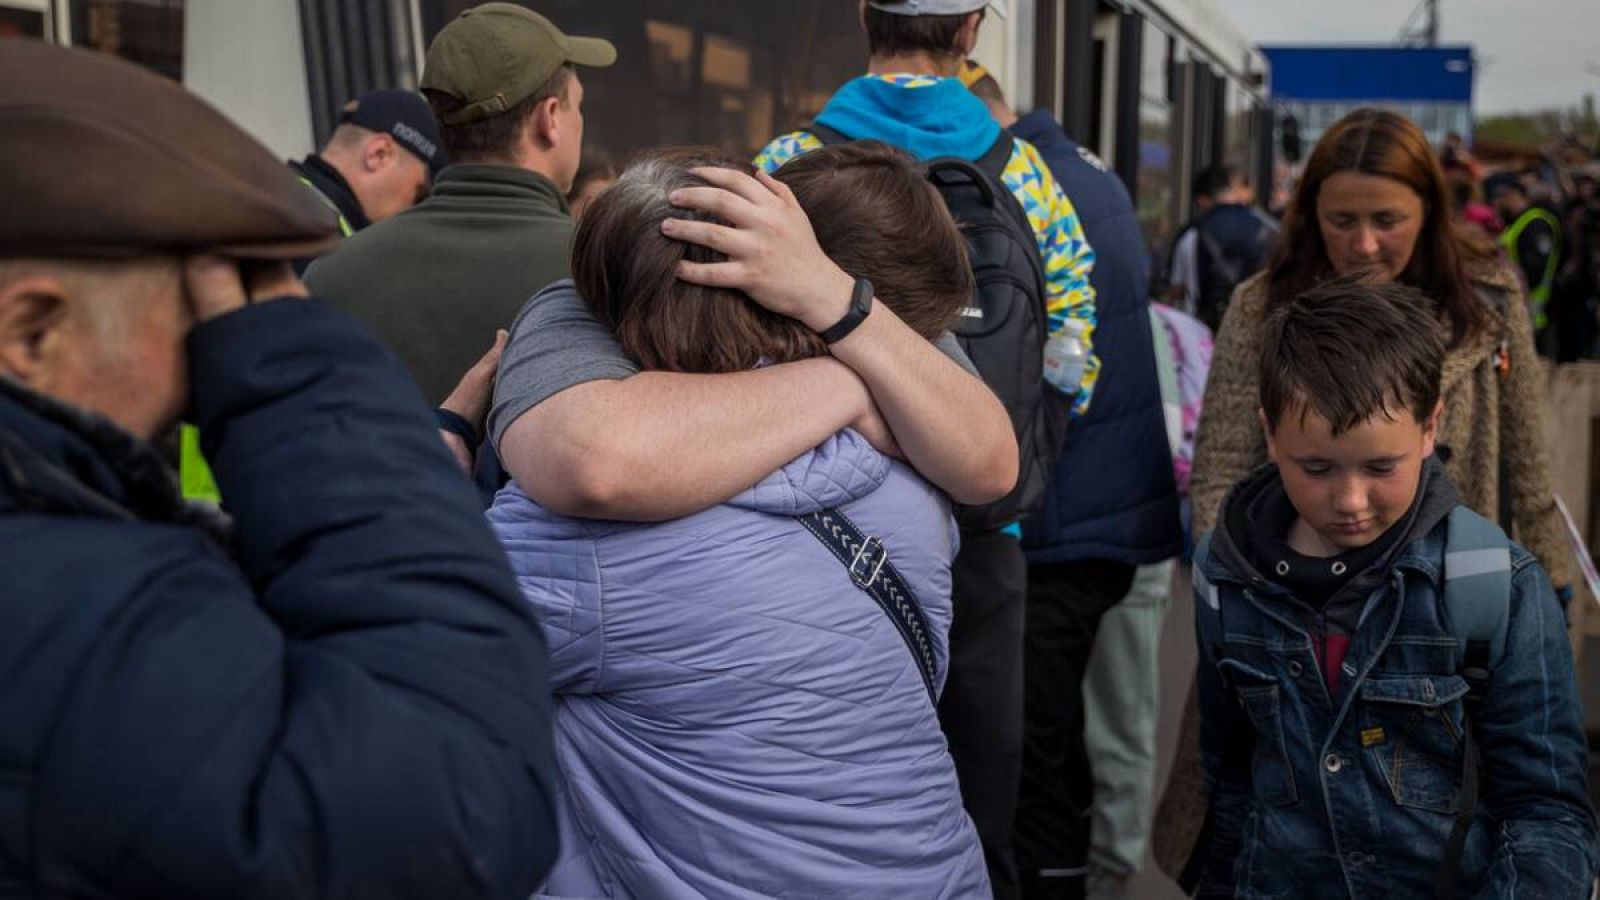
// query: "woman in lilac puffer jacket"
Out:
[735,717]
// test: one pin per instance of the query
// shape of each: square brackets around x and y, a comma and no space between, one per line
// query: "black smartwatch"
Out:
[860,305]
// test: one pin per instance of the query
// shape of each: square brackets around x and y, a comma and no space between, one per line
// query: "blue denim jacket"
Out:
[1355,795]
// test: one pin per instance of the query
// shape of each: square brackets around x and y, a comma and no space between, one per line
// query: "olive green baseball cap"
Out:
[494,56]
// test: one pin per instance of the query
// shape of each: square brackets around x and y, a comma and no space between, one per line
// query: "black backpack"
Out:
[1004,329]
[1221,264]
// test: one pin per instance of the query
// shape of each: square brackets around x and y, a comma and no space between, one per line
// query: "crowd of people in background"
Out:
[1546,219]
[792,525]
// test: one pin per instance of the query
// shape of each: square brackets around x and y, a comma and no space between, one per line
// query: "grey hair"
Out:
[646,184]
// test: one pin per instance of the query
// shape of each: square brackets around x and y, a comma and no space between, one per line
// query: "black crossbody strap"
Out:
[867,560]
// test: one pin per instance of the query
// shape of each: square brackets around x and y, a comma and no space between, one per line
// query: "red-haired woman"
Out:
[1373,197]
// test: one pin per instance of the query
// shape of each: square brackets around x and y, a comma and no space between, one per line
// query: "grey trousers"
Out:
[1120,707]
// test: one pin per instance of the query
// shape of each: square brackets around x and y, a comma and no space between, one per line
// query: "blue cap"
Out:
[404,116]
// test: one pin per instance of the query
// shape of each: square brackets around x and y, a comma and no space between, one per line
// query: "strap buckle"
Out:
[864,559]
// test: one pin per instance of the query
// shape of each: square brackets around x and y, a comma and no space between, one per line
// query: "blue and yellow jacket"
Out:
[931,117]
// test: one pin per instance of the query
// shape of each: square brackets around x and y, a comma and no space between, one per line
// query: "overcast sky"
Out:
[1531,54]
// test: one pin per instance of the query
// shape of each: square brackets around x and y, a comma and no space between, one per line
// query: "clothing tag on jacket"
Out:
[1372,737]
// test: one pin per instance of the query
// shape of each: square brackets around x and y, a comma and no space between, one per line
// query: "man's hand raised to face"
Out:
[216,287]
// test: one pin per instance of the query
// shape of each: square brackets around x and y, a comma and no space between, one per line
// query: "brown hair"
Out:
[892,34]
[1351,348]
[493,138]
[1388,145]
[594,165]
[988,90]
[874,214]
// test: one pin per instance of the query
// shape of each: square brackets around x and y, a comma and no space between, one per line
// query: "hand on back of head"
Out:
[772,251]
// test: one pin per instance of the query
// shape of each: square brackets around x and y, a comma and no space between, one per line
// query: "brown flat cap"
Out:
[101,158]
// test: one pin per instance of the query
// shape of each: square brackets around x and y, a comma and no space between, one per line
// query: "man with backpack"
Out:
[1032,264]
[1387,696]
[1229,241]
[1084,547]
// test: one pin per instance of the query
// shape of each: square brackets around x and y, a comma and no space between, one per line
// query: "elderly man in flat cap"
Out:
[339,692]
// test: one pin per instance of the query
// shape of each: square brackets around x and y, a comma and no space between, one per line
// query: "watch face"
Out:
[862,300]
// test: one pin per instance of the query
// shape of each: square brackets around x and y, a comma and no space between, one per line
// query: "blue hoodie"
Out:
[929,117]
[940,119]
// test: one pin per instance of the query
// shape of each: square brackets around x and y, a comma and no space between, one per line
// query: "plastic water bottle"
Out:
[1065,356]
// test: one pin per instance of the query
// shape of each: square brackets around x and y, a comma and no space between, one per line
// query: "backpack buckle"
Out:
[868,562]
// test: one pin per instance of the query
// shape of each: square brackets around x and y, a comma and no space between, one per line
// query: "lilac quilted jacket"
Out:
[735,718]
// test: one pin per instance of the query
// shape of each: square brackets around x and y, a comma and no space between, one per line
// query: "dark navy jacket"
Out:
[1112,494]
[346,697]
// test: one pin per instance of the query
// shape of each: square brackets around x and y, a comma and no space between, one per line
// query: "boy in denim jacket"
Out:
[1336,721]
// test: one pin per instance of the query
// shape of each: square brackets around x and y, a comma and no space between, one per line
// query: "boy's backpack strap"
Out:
[1204,591]
[1477,599]
[1477,594]
[1208,606]
[1208,610]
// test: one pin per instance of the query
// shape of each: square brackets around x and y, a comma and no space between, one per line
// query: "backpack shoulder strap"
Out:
[993,162]
[1225,269]
[1477,600]
[1477,592]
[952,171]
[1207,600]
[827,135]
[1205,593]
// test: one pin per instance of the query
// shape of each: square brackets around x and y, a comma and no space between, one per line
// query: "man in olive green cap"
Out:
[439,280]
[338,692]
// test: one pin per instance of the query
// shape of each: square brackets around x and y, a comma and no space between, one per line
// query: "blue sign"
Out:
[1355,73]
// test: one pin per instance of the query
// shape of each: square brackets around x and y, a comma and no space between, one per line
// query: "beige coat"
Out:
[1485,415]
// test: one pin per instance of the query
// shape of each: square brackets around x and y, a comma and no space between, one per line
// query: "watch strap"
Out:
[860,305]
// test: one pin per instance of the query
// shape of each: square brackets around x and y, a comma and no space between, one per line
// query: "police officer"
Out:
[378,162]
[336,693]
[1533,240]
